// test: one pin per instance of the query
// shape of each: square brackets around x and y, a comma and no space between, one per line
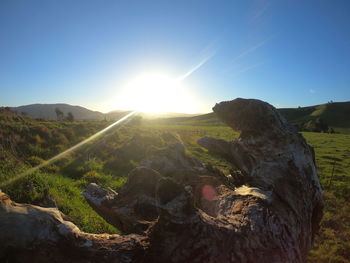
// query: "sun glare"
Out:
[155,93]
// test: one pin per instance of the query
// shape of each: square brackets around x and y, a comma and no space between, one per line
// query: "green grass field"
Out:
[333,164]
[25,142]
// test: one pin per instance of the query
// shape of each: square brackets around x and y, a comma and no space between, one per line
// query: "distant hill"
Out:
[47,111]
[335,114]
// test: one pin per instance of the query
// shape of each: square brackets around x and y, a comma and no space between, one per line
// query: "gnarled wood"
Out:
[31,233]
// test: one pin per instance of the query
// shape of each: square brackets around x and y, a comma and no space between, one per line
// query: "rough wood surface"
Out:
[31,233]
[175,209]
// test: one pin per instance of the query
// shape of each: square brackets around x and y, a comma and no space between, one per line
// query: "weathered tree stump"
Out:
[175,209]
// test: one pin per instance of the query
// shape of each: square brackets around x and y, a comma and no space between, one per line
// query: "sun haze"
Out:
[155,92]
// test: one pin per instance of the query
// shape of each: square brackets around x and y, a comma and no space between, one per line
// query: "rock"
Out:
[183,211]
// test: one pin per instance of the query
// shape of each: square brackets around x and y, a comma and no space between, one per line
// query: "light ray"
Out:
[195,68]
[68,151]
[250,50]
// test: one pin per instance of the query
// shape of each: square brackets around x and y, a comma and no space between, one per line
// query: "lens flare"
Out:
[68,151]
[209,192]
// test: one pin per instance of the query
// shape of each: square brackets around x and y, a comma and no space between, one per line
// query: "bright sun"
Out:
[155,93]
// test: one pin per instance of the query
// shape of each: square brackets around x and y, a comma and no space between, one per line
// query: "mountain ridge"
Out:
[47,111]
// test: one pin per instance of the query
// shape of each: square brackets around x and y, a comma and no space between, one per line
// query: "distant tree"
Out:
[59,114]
[70,117]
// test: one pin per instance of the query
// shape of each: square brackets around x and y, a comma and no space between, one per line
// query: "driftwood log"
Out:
[173,208]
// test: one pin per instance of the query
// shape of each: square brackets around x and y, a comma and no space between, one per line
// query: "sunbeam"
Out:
[196,67]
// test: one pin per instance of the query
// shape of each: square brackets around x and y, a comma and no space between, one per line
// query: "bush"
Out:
[28,189]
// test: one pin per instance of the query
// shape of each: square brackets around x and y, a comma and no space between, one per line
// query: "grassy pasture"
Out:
[333,164]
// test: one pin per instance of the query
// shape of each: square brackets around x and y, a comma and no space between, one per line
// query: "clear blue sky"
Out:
[288,53]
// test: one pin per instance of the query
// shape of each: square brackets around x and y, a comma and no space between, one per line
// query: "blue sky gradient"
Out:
[289,53]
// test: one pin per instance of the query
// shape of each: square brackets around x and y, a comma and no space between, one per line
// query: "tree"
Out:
[59,114]
[70,117]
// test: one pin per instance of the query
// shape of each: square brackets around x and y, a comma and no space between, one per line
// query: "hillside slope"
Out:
[47,111]
[336,114]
